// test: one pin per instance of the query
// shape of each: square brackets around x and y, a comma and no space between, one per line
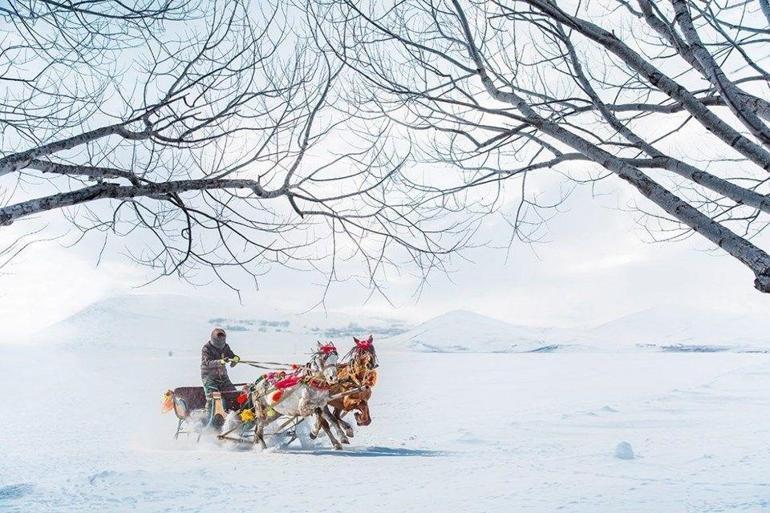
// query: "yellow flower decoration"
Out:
[247,416]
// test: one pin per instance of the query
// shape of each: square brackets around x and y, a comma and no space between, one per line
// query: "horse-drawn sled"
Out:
[272,409]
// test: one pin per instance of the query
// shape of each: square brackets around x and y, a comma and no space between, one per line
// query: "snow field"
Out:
[451,432]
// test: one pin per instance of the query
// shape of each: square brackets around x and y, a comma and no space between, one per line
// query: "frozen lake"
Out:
[451,432]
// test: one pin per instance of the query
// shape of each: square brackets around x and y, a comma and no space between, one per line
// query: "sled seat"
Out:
[188,399]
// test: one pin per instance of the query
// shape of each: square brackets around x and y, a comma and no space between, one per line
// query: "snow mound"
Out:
[461,331]
[624,451]
[139,322]
[680,329]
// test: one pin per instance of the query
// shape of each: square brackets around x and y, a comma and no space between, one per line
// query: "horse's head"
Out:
[364,354]
[325,359]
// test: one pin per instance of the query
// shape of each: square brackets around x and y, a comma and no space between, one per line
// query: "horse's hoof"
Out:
[312,436]
[346,441]
[338,447]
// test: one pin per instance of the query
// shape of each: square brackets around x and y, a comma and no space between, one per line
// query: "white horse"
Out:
[298,396]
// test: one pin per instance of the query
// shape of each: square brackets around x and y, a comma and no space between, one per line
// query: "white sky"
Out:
[596,267]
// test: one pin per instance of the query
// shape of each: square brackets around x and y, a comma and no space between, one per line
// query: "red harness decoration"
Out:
[288,382]
[364,345]
[327,348]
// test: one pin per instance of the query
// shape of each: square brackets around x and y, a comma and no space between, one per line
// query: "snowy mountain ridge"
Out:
[181,323]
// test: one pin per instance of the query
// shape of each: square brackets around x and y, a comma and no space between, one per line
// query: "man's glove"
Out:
[234,360]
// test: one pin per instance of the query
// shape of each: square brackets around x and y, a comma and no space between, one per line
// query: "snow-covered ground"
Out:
[630,416]
[82,432]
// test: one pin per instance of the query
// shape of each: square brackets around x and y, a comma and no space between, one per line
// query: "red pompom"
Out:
[242,398]
[364,344]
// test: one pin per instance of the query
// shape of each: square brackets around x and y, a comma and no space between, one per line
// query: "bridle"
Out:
[324,352]
[321,358]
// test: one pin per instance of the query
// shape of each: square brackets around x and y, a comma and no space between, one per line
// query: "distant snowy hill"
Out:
[672,329]
[180,324]
[137,321]
[685,329]
[160,324]
[464,331]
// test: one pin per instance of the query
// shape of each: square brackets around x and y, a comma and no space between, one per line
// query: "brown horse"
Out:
[358,373]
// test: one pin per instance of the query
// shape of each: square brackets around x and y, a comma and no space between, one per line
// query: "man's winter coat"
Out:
[211,367]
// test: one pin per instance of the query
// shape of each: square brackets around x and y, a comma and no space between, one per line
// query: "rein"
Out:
[270,365]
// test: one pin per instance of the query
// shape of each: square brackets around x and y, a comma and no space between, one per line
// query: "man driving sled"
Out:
[214,355]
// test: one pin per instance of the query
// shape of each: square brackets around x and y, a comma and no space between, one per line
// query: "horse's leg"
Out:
[261,436]
[259,423]
[340,433]
[345,432]
[316,429]
[327,429]
[338,413]
[259,433]
[262,423]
